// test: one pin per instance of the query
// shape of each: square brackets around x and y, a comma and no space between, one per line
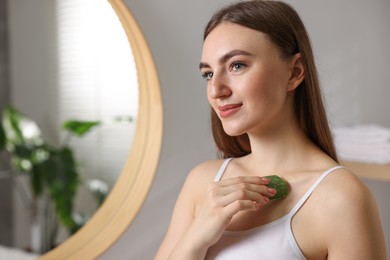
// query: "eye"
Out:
[237,66]
[207,75]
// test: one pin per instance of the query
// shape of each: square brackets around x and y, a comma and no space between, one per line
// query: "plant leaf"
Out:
[79,220]
[19,129]
[40,166]
[98,188]
[2,137]
[63,183]
[79,128]
[36,180]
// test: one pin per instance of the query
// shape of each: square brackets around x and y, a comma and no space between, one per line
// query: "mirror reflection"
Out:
[80,68]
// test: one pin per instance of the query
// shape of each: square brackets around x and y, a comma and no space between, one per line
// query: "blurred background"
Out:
[350,45]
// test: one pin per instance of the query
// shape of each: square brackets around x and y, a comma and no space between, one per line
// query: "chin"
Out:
[233,131]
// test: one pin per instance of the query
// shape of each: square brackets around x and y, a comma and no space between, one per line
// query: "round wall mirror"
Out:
[128,194]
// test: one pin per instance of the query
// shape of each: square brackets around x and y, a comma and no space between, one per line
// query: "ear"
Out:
[297,72]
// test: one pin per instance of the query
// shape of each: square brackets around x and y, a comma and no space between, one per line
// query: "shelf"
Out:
[369,170]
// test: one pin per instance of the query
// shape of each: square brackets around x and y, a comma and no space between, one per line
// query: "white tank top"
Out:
[273,241]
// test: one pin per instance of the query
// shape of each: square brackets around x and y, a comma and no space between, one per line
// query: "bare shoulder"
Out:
[345,187]
[203,174]
[196,182]
[207,169]
[342,193]
[350,217]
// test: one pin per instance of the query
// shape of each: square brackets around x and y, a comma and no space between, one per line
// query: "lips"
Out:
[228,110]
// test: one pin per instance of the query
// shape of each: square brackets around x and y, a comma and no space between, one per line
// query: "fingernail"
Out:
[265,199]
[272,191]
[265,180]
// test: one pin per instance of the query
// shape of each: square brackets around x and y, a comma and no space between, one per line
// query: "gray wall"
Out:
[349,39]
[5,184]
[32,46]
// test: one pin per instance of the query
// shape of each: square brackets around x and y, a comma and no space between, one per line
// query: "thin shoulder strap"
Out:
[222,169]
[310,191]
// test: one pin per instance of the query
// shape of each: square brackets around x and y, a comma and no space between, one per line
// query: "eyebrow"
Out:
[226,57]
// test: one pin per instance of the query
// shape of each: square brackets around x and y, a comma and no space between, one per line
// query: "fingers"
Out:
[243,184]
[243,195]
[240,205]
[239,194]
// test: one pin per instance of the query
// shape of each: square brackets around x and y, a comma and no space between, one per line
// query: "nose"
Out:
[218,87]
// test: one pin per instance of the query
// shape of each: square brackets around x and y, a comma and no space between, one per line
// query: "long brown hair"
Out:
[283,26]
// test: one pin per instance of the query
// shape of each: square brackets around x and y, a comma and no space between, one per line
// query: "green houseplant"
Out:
[53,172]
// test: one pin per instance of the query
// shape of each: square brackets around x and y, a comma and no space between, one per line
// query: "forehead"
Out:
[229,36]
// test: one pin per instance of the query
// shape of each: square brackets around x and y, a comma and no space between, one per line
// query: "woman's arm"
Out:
[181,219]
[204,208]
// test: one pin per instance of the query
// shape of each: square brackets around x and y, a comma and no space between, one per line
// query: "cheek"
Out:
[266,92]
[258,88]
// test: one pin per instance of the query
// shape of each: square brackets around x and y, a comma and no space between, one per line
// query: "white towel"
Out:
[362,155]
[362,133]
[363,143]
[364,158]
[377,148]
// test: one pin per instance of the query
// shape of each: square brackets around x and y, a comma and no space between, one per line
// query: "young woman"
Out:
[268,118]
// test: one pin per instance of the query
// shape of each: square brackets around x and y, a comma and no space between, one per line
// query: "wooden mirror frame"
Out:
[130,191]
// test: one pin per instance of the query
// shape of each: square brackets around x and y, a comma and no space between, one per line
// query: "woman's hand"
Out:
[204,209]
[222,201]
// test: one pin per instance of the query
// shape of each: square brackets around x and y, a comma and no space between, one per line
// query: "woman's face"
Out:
[248,82]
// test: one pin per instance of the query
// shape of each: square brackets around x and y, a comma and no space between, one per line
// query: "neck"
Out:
[281,150]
